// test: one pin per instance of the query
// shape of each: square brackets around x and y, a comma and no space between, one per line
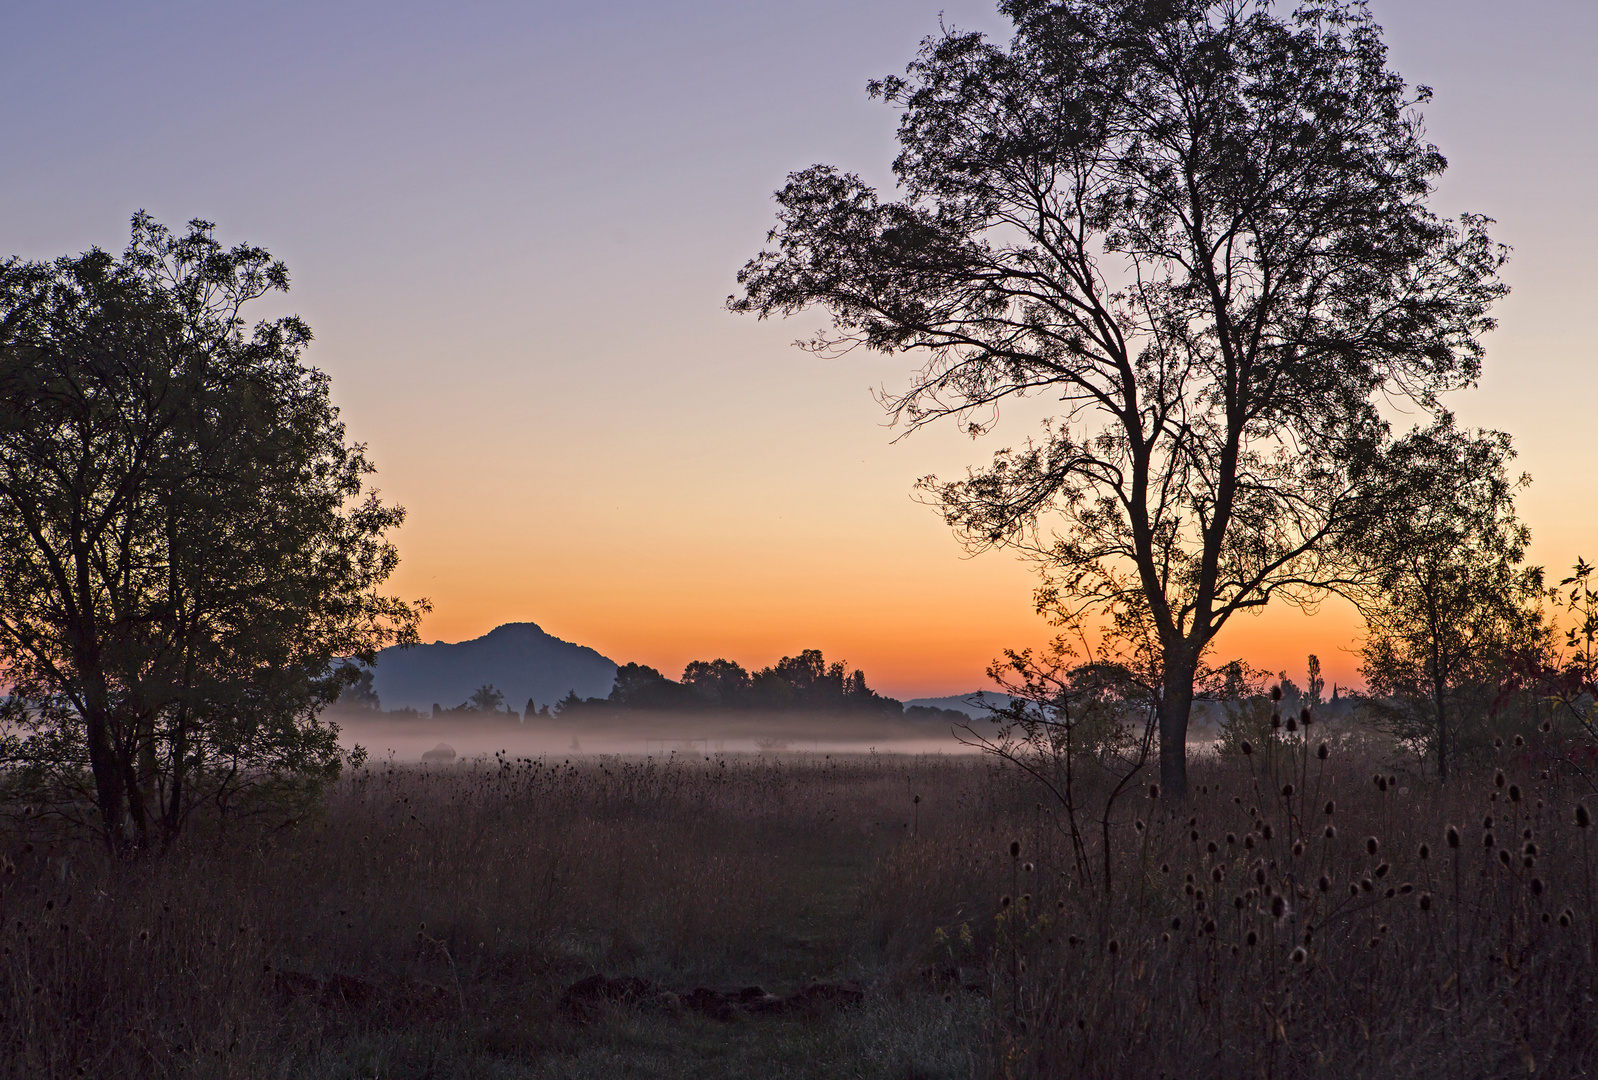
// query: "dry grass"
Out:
[452,906]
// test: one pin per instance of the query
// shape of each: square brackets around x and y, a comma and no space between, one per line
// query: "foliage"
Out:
[186,539]
[1446,599]
[805,682]
[1202,226]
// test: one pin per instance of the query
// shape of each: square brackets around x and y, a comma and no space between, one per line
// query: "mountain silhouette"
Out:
[518,658]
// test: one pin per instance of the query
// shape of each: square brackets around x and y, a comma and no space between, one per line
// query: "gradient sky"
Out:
[512,227]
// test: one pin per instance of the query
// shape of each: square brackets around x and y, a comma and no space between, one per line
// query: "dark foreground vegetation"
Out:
[901,917]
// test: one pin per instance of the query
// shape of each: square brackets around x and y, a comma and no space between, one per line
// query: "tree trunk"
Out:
[1176,705]
[108,789]
[1438,692]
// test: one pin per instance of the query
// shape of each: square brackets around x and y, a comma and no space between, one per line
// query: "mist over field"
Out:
[647,733]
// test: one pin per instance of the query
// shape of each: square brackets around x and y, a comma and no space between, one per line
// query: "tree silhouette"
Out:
[186,539]
[1204,229]
[1447,600]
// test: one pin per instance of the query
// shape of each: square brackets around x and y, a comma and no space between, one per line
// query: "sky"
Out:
[513,227]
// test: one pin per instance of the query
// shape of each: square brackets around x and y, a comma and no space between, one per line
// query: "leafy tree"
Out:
[186,538]
[1204,228]
[1447,600]
[485,699]
[719,681]
[360,693]
[639,686]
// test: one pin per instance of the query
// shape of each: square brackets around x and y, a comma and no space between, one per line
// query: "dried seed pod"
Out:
[1372,845]
[1424,851]
[1452,836]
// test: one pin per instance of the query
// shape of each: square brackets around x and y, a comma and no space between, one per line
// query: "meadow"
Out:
[814,915]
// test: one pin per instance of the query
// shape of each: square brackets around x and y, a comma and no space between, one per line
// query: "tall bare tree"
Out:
[1203,227]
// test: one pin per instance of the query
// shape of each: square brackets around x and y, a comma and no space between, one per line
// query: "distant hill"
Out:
[518,658]
[961,702]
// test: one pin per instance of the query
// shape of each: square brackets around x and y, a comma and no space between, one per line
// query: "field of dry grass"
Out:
[1284,921]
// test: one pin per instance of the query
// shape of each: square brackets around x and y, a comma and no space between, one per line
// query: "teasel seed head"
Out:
[1503,856]
[1487,840]
[1276,692]
[1231,838]
[1287,791]
[1266,831]
[1514,793]
[1217,874]
[1424,901]
[1425,851]
[1276,721]
[1323,752]
[1520,740]
[1452,836]
[1367,885]
[1212,847]
[1005,901]
[1027,867]
[1567,917]
[1487,822]
[1253,939]
[1278,906]
[1325,883]
[1114,946]
[1498,779]
[1381,871]
[1583,818]
[1298,848]
[1300,955]
[1154,791]
[1247,747]
[1536,886]
[1405,889]
[1292,723]
[1331,832]
[1331,807]
[1372,845]
[1015,849]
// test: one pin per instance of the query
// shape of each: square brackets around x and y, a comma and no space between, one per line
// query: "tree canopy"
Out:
[1447,600]
[1204,229]
[187,540]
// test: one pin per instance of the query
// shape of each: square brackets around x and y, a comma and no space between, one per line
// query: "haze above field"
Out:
[512,228]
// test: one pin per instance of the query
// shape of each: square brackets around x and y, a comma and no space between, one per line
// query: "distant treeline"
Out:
[795,683]
[803,683]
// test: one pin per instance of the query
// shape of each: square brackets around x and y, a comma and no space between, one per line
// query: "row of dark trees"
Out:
[799,683]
